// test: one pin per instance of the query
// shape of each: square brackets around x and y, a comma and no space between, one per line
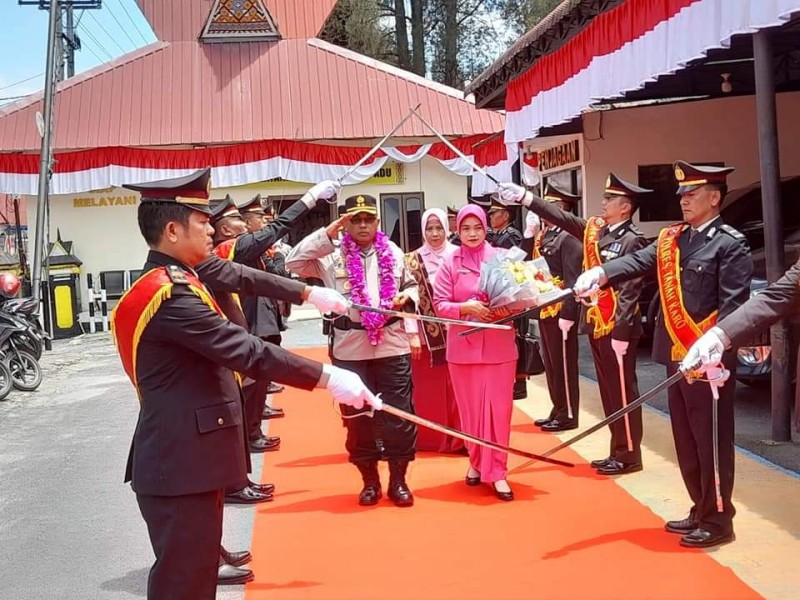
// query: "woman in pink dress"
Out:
[482,366]
[433,394]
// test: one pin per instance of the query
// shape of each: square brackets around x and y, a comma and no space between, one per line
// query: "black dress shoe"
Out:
[247,495]
[596,464]
[472,481]
[370,494]
[272,413]
[504,496]
[235,559]
[265,444]
[700,538]
[614,467]
[520,389]
[274,388]
[400,494]
[230,575]
[556,425]
[684,526]
[262,488]
[540,422]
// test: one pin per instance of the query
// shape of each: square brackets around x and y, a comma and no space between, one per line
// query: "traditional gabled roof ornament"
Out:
[240,21]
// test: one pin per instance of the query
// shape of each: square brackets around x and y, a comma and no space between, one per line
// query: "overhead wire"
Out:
[125,31]
[111,37]
[139,31]
[10,85]
[98,44]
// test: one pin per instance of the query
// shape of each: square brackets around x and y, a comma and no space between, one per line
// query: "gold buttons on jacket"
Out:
[220,421]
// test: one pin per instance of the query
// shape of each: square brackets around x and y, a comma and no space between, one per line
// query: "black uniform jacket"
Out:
[777,301]
[564,256]
[626,238]
[716,269]
[224,278]
[262,313]
[189,436]
[507,238]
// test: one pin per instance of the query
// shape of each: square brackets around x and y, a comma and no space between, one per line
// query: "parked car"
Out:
[742,210]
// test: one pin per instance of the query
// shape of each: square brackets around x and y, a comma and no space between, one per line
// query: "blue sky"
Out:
[105,34]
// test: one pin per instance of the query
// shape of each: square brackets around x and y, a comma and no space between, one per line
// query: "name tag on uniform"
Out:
[464,271]
[340,274]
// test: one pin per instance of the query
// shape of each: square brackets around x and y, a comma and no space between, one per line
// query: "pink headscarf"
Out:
[472,258]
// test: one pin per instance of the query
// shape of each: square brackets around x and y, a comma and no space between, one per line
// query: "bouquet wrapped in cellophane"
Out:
[511,282]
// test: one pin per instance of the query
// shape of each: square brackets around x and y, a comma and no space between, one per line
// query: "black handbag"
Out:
[529,361]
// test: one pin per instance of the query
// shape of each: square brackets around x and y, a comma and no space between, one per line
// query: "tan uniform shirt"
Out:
[316,256]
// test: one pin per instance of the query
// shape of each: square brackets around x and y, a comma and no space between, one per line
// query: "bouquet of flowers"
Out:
[511,282]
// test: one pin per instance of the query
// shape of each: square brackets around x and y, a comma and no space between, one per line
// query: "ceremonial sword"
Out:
[397,412]
[377,146]
[418,317]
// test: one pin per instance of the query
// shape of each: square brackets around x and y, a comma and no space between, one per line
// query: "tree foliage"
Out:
[451,41]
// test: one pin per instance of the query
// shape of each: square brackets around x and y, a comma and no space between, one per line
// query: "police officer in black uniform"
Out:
[505,234]
[452,214]
[614,328]
[564,256]
[704,269]
[181,355]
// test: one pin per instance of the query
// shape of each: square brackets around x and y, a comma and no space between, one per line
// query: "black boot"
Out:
[371,492]
[398,489]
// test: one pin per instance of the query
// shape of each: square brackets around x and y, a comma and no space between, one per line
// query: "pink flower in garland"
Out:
[372,322]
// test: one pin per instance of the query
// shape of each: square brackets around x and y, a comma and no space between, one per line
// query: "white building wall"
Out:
[711,130]
[103,227]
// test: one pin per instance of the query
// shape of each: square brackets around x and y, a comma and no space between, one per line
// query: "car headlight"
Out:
[754,355]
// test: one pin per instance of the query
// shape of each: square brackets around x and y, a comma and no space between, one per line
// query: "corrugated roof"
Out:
[189,93]
[183,20]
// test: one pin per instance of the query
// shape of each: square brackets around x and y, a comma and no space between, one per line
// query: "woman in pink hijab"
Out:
[433,394]
[483,365]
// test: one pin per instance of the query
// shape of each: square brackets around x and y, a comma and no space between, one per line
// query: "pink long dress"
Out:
[482,366]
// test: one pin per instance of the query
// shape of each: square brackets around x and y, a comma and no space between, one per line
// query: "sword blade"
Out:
[418,317]
[560,298]
[392,410]
[677,376]
[377,146]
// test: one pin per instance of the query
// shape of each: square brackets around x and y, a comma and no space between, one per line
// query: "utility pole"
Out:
[71,42]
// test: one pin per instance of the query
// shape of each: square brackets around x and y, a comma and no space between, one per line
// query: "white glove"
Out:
[564,325]
[347,388]
[511,193]
[321,191]
[705,353]
[589,282]
[532,225]
[328,300]
[620,347]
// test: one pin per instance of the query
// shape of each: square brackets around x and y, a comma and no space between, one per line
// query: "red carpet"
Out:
[569,533]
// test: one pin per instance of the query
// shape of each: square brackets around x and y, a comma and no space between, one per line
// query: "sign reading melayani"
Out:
[101,201]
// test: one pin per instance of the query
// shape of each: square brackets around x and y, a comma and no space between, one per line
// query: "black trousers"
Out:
[608,380]
[382,436]
[690,411]
[553,358]
[185,532]
[255,399]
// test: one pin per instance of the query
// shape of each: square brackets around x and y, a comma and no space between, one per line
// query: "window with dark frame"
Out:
[401,218]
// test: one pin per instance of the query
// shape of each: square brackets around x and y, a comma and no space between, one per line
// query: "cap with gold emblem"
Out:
[192,191]
[555,194]
[255,206]
[452,212]
[616,186]
[496,205]
[221,209]
[690,177]
[361,203]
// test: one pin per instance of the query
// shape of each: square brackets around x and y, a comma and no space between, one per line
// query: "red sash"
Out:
[682,329]
[139,305]
[602,314]
[553,310]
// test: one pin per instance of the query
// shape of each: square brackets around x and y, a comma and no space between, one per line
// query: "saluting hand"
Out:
[334,228]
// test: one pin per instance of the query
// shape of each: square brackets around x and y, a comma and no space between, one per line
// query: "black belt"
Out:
[346,324]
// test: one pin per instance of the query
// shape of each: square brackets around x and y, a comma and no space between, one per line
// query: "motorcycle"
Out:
[35,338]
[15,339]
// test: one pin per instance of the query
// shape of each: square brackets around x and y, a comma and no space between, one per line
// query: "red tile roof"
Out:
[190,93]
[183,20]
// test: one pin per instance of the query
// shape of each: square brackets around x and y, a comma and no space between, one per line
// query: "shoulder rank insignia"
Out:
[634,229]
[732,231]
[177,275]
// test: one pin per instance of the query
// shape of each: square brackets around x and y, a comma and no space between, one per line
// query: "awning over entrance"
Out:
[623,49]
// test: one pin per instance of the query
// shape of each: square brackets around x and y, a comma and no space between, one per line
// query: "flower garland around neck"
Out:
[372,322]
